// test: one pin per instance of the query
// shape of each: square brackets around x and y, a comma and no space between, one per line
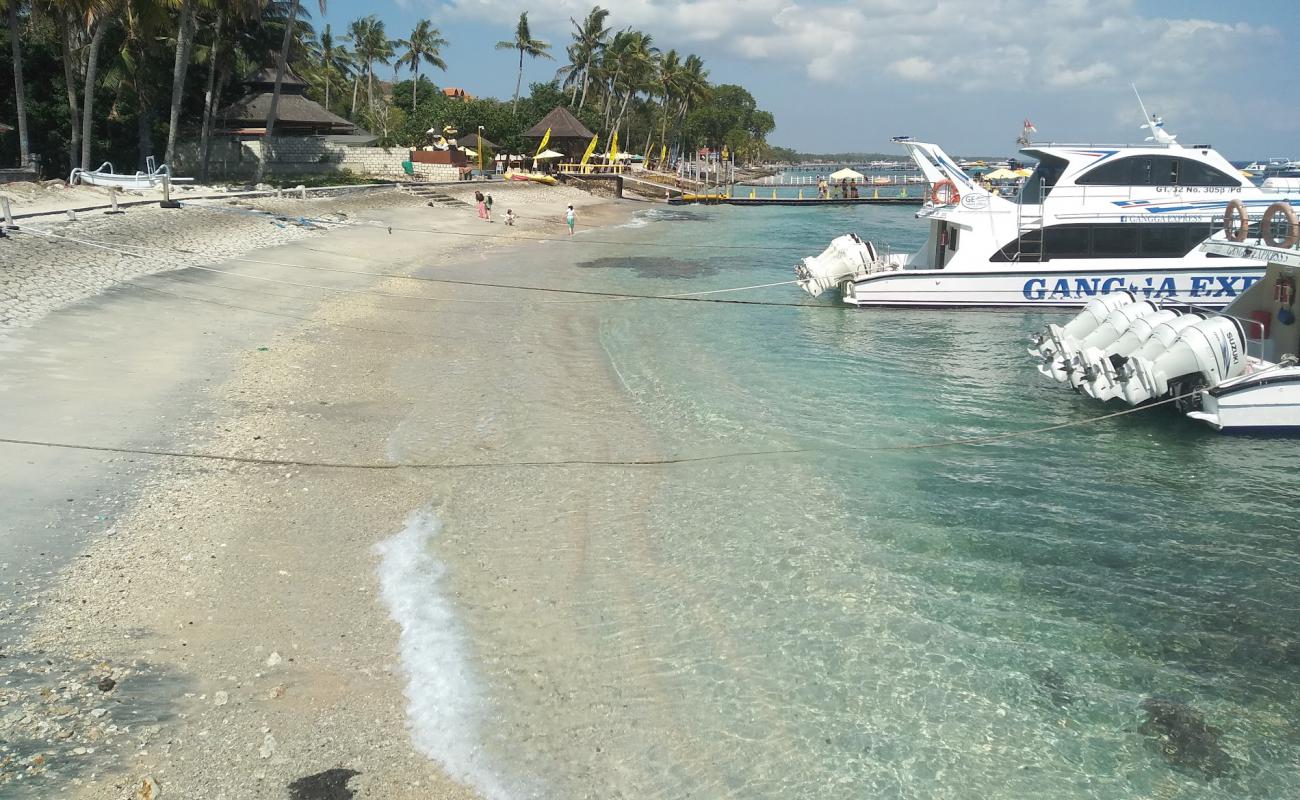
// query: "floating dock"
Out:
[722,199]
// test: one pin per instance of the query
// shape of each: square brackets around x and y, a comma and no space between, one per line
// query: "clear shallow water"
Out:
[962,622]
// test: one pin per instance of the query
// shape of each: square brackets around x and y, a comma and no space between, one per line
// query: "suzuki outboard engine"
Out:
[1093,314]
[1089,360]
[1208,353]
[1105,334]
[846,256]
[1104,381]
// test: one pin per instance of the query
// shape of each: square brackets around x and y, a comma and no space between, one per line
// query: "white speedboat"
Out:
[1235,370]
[1089,221]
[105,176]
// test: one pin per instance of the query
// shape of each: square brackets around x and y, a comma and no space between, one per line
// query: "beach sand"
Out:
[220,628]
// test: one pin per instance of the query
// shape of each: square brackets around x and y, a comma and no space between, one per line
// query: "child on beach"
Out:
[487,204]
[510,216]
[482,208]
[570,218]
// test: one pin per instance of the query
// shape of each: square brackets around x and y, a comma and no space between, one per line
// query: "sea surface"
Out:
[1103,611]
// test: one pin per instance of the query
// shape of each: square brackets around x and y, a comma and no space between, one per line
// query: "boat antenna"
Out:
[1154,123]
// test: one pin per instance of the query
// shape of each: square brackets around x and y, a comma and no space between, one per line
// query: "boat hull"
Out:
[1269,403]
[1211,285]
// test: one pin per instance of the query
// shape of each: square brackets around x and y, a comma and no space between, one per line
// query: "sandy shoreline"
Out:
[235,608]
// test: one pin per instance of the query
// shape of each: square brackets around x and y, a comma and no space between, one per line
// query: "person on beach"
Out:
[487,205]
[510,216]
[482,207]
[570,219]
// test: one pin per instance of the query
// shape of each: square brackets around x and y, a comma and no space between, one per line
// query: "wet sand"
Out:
[217,627]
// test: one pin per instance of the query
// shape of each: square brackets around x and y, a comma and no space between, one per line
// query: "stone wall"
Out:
[302,155]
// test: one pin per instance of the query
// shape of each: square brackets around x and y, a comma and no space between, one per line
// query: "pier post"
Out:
[167,201]
[303,188]
[9,217]
[72,215]
[112,198]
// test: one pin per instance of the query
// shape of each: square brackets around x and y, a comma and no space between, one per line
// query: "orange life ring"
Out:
[1292,228]
[1235,222]
[953,196]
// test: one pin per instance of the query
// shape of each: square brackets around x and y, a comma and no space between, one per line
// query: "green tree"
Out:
[589,38]
[526,45]
[424,45]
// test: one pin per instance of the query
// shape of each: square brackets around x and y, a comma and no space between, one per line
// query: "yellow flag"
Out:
[724,152]
[546,139]
[613,148]
[663,156]
[591,148]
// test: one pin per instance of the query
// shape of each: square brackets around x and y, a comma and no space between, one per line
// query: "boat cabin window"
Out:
[1133,240]
[1045,176]
[1156,170]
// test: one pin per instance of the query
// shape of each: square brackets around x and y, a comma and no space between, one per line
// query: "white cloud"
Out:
[1002,43]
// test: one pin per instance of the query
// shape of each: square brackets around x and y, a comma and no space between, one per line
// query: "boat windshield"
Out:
[1046,174]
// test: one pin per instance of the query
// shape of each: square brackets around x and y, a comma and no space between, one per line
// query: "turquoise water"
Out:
[859,621]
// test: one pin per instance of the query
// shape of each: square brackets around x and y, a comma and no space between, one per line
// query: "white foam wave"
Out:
[444,701]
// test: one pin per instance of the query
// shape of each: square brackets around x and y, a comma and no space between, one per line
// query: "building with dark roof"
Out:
[297,114]
[568,134]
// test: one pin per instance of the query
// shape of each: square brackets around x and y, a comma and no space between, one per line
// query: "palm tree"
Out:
[589,38]
[525,44]
[334,60]
[280,65]
[669,80]
[20,93]
[693,88]
[424,45]
[636,66]
[184,41]
[370,44]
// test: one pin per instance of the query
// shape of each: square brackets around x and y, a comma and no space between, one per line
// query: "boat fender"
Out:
[1235,222]
[1292,228]
[945,189]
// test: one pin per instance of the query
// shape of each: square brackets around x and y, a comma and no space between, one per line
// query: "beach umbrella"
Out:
[847,174]
[469,152]
[1002,174]
[545,154]
[1024,172]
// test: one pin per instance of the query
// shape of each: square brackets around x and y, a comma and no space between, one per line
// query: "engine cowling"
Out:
[1063,364]
[1094,313]
[1089,360]
[845,256]
[1106,383]
[1214,348]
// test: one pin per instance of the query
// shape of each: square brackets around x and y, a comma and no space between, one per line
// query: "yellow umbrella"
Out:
[1024,172]
[1000,175]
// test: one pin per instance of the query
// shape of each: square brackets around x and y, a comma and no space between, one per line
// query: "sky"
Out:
[846,75]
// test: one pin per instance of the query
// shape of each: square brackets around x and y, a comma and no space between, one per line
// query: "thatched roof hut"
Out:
[474,140]
[568,134]
[297,114]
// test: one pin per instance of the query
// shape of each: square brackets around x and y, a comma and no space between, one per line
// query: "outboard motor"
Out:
[1105,334]
[1085,322]
[1106,381]
[845,256]
[1212,351]
[1089,360]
